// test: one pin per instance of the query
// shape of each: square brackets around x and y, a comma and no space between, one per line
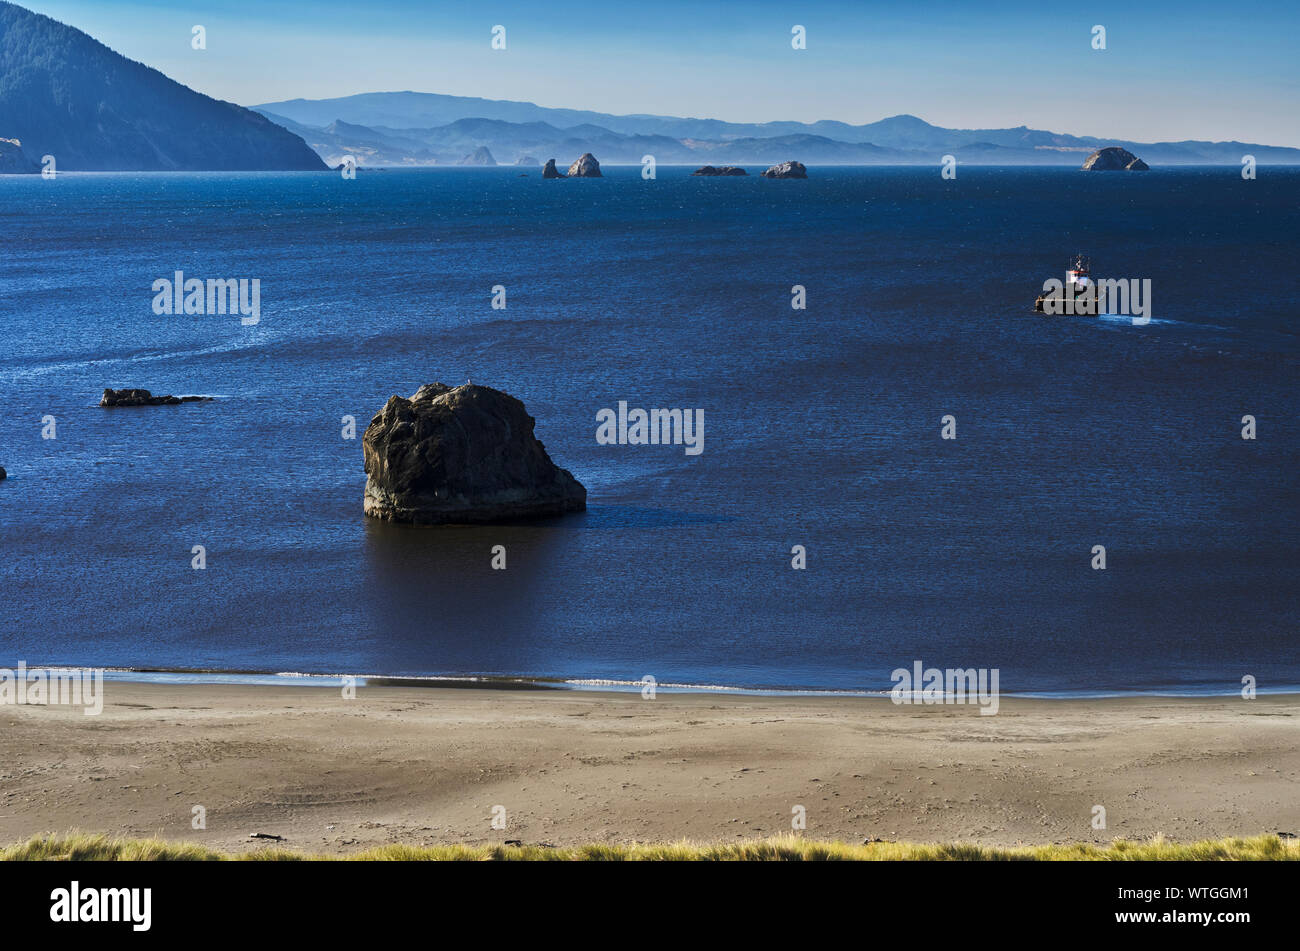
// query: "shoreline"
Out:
[429,765]
[271,678]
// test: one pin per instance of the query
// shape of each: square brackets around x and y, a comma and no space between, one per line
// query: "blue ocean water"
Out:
[822,426]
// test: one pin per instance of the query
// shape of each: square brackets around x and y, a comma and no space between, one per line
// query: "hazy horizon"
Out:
[1026,64]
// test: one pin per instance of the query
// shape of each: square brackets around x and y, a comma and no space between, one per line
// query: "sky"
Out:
[1170,70]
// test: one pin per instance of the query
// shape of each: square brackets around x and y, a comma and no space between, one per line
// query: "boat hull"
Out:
[1057,305]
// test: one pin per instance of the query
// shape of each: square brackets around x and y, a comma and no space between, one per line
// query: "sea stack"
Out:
[480,156]
[585,167]
[462,455]
[115,398]
[550,171]
[1114,159]
[787,170]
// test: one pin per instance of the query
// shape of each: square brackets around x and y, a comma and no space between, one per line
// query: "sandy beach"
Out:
[428,765]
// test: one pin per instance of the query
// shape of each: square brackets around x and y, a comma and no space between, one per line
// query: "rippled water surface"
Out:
[822,426]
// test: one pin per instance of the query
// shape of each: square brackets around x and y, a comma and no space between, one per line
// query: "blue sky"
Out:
[1170,71]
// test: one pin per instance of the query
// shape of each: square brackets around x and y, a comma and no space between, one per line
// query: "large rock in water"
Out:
[130,397]
[585,167]
[787,170]
[1114,159]
[461,455]
[550,171]
[722,170]
[480,156]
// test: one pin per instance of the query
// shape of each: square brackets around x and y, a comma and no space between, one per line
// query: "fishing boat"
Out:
[1077,296]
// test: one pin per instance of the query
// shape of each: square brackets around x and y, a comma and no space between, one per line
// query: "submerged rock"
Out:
[3,475]
[115,398]
[722,170]
[550,171]
[585,167]
[1114,159]
[787,170]
[461,455]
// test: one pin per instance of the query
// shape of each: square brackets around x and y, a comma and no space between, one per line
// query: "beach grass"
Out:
[84,847]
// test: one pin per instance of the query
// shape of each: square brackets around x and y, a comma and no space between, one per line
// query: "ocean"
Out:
[822,426]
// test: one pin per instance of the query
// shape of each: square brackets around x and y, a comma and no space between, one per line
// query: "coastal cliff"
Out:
[64,94]
[14,161]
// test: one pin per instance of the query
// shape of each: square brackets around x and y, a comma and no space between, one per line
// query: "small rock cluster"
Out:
[584,167]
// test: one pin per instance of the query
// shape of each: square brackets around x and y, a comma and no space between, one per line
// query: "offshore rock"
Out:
[723,170]
[463,455]
[550,171]
[585,167]
[480,156]
[1114,159]
[787,170]
[115,398]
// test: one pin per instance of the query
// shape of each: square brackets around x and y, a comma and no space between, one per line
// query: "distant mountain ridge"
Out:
[411,128]
[65,94]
